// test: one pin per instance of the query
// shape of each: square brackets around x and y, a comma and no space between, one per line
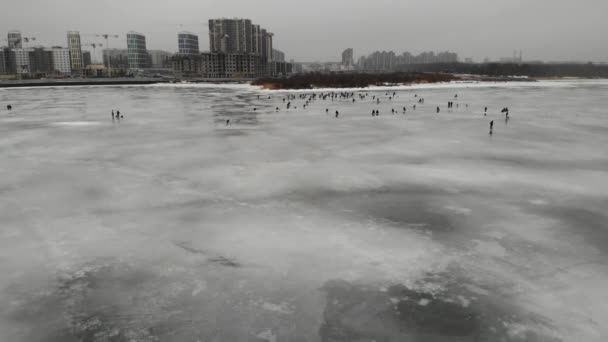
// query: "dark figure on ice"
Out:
[227,122]
[337,113]
[9,107]
[112,113]
[438,109]
[491,126]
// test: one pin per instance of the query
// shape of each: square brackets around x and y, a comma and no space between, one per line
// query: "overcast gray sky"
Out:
[318,30]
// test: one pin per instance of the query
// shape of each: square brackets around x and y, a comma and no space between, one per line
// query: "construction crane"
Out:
[107,37]
[94,46]
[27,40]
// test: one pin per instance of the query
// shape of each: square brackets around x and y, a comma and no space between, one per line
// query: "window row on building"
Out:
[37,61]
[227,65]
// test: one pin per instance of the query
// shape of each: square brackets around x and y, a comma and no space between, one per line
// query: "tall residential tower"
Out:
[187,43]
[14,40]
[138,54]
[348,57]
[231,36]
[75,51]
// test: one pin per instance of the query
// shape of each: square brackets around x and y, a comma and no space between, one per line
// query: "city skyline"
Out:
[470,28]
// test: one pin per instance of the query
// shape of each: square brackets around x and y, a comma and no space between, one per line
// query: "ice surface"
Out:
[169,225]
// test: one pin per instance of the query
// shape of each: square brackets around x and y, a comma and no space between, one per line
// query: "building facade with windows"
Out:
[278,56]
[20,60]
[75,51]
[86,59]
[160,58]
[61,60]
[41,61]
[238,49]
[116,58]
[348,57]
[14,40]
[187,43]
[230,36]
[138,54]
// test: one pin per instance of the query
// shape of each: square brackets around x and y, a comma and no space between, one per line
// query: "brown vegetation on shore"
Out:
[351,80]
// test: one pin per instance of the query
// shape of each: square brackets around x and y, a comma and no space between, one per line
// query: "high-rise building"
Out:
[116,58]
[348,57]
[266,50]
[231,36]
[256,39]
[4,67]
[160,58]
[41,61]
[238,49]
[75,51]
[138,54]
[86,58]
[187,43]
[20,60]
[61,60]
[278,56]
[387,61]
[14,40]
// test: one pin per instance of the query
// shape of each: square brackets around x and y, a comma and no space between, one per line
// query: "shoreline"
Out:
[79,82]
[264,85]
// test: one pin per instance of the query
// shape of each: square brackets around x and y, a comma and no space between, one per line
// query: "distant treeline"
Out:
[500,69]
[351,80]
